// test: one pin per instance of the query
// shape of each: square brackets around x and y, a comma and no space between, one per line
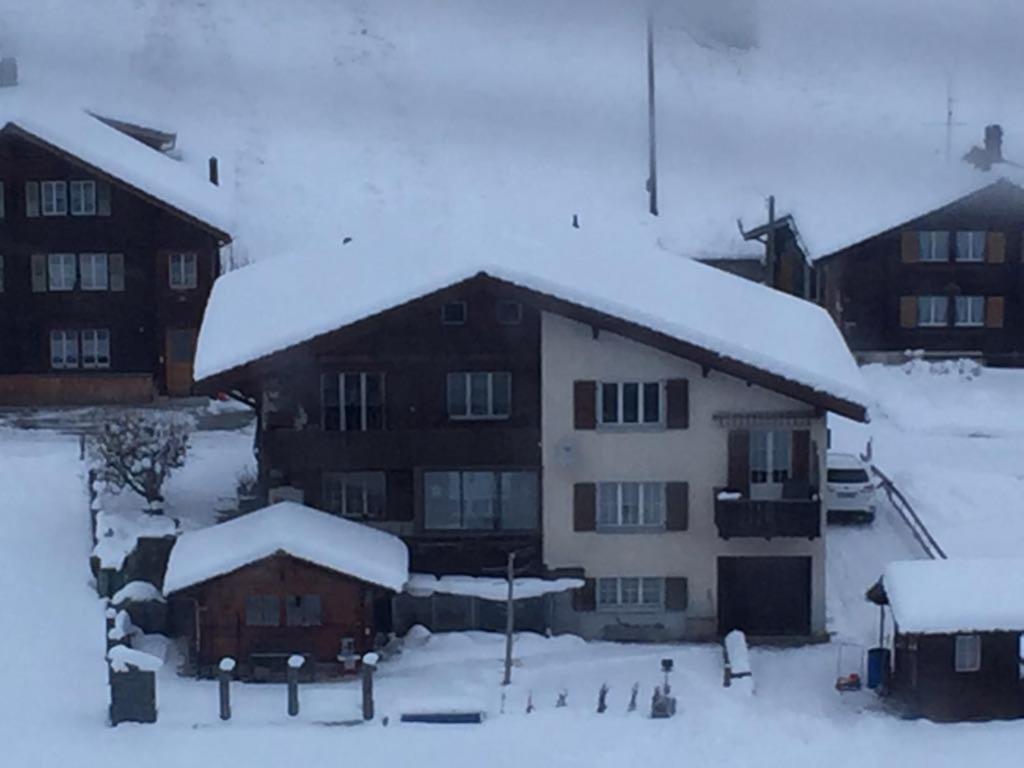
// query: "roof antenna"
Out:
[575,221]
[652,144]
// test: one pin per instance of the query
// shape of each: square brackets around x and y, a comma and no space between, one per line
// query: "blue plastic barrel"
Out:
[878,666]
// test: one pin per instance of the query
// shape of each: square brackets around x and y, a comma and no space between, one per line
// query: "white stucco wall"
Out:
[697,455]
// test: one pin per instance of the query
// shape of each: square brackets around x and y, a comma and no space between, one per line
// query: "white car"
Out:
[850,496]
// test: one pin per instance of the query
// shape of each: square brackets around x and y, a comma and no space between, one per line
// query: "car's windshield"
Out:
[847,476]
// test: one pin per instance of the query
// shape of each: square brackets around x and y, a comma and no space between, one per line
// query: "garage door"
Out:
[764,595]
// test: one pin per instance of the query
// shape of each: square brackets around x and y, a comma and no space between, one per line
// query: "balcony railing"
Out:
[767,519]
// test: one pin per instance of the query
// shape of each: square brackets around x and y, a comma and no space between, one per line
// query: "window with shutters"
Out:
[93,269]
[61,271]
[355,494]
[630,505]
[479,395]
[970,246]
[970,311]
[54,198]
[183,271]
[302,610]
[83,198]
[96,348]
[629,403]
[933,246]
[639,593]
[262,611]
[932,311]
[352,402]
[481,500]
[968,653]
[63,349]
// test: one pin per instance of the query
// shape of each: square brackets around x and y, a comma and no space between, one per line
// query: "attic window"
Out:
[83,198]
[454,313]
[55,198]
[509,312]
[933,246]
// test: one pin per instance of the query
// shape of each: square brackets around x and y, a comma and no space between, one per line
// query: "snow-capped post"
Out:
[529,702]
[214,172]
[510,617]
[295,662]
[225,670]
[108,633]
[370,661]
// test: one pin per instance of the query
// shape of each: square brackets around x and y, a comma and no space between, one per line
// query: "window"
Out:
[932,311]
[352,402]
[848,476]
[262,611]
[933,246]
[479,395]
[970,246]
[355,494]
[630,505]
[770,456]
[63,349]
[83,198]
[96,348]
[509,312]
[93,267]
[454,313]
[630,593]
[183,271]
[630,402]
[62,272]
[968,653]
[970,311]
[302,610]
[480,500]
[54,198]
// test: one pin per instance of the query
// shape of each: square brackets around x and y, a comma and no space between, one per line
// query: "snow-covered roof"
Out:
[325,540]
[487,587]
[75,132]
[269,306]
[955,596]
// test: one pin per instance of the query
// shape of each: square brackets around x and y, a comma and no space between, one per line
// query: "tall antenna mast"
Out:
[652,144]
[949,116]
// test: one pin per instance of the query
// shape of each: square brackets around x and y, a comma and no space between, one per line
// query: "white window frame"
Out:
[651,501]
[341,482]
[975,241]
[53,198]
[937,314]
[967,653]
[467,381]
[973,308]
[82,197]
[928,246]
[183,270]
[621,404]
[64,339]
[94,271]
[58,267]
[95,344]
[620,589]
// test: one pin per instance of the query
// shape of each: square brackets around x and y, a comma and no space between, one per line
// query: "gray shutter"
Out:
[115,263]
[38,272]
[103,198]
[31,199]
[585,598]
[584,507]
[677,506]
[677,396]
[584,403]
[677,594]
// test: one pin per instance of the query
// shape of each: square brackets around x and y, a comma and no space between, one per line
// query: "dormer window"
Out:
[454,313]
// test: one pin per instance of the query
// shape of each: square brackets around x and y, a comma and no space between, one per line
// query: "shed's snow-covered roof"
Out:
[269,306]
[331,542]
[953,596]
[487,587]
[75,132]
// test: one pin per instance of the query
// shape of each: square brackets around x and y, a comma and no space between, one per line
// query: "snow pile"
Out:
[137,592]
[485,587]
[326,540]
[122,658]
[960,595]
[118,534]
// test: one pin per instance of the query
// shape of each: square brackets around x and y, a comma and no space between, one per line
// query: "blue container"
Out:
[878,667]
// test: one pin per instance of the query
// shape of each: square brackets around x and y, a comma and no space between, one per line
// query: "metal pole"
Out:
[510,617]
[652,142]
[770,242]
[369,666]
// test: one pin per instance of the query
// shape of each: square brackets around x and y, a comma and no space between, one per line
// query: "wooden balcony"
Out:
[768,519]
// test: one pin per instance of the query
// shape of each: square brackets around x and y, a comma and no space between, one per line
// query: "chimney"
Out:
[994,143]
[8,72]
[214,172]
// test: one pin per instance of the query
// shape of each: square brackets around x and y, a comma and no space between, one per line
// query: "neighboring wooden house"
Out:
[958,624]
[280,581]
[949,282]
[480,414]
[108,252]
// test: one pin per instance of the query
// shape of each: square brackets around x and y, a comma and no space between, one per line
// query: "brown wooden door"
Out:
[179,351]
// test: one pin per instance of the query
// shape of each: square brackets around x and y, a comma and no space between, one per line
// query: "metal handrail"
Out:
[910,517]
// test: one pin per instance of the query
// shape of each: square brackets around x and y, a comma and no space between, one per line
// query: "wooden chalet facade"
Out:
[102,284]
[950,283]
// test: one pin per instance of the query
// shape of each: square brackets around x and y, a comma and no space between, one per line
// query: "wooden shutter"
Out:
[677,506]
[38,272]
[677,593]
[677,400]
[102,198]
[908,311]
[584,404]
[32,198]
[739,461]
[584,507]
[995,248]
[801,454]
[115,262]
[911,250]
[585,598]
[995,309]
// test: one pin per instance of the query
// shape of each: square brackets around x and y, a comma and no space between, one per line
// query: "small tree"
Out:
[139,452]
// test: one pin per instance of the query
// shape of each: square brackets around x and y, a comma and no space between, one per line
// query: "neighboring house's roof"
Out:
[696,311]
[315,537]
[106,151]
[936,597]
[492,588]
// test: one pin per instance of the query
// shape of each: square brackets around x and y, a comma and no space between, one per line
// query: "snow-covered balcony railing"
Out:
[798,516]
